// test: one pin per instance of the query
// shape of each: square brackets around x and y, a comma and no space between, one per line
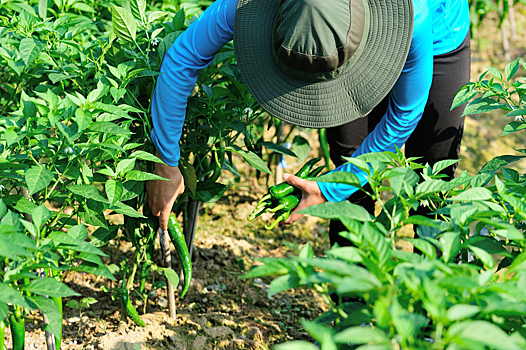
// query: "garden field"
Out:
[83,266]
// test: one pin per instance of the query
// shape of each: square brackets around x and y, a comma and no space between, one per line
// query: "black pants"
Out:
[436,137]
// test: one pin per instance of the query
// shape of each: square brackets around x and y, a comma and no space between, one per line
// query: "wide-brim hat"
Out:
[279,46]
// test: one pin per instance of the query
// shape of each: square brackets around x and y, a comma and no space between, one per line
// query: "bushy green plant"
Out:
[465,288]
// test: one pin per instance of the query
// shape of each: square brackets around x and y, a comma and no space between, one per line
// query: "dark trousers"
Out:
[436,137]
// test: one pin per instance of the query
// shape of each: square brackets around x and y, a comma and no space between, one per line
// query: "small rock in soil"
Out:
[218,332]
[73,319]
[199,342]
[254,333]
[163,302]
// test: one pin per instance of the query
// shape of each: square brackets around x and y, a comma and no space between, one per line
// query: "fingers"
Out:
[163,219]
[294,181]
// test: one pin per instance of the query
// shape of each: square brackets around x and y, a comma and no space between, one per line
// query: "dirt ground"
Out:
[222,311]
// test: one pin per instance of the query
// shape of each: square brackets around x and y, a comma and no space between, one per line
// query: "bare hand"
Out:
[162,194]
[311,195]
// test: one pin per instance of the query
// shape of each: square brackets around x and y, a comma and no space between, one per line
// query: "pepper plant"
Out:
[463,290]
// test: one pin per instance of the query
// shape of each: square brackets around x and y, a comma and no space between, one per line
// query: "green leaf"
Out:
[341,177]
[282,283]
[450,244]
[178,21]
[434,186]
[50,309]
[50,287]
[74,244]
[516,112]
[473,194]
[114,190]
[482,105]
[125,166]
[209,192]
[78,232]
[189,176]
[279,149]
[465,94]
[12,296]
[40,216]
[4,310]
[338,210]
[83,7]
[253,159]
[484,256]
[441,165]
[462,311]
[11,249]
[301,147]
[513,127]
[138,9]
[108,128]
[122,208]
[155,15]
[146,156]
[37,179]
[137,175]
[171,276]
[296,345]
[322,334]
[42,8]
[495,72]
[498,163]
[124,25]
[29,49]
[486,334]
[88,192]
[425,247]
[362,335]
[270,268]
[103,236]
[511,69]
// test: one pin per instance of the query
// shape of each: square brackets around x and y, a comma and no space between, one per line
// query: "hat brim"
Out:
[331,103]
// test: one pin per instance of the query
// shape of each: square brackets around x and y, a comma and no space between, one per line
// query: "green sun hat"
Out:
[321,63]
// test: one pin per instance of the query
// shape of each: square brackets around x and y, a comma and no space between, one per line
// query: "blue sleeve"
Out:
[192,51]
[407,101]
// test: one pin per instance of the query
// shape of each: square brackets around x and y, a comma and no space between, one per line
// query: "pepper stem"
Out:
[275,209]
[277,221]
[262,200]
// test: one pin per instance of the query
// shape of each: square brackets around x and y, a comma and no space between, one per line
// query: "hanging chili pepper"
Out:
[2,335]
[324,145]
[18,329]
[280,216]
[58,303]
[177,236]
[128,308]
[316,172]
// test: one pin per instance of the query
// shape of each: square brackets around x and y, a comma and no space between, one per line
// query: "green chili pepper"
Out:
[287,203]
[316,172]
[128,308]
[2,335]
[260,210]
[177,236]
[305,169]
[18,329]
[284,189]
[280,216]
[58,303]
[322,133]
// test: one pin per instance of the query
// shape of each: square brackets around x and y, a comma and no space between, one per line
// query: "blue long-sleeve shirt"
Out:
[434,33]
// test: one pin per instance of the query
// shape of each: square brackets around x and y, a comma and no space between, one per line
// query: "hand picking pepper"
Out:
[284,189]
[177,236]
